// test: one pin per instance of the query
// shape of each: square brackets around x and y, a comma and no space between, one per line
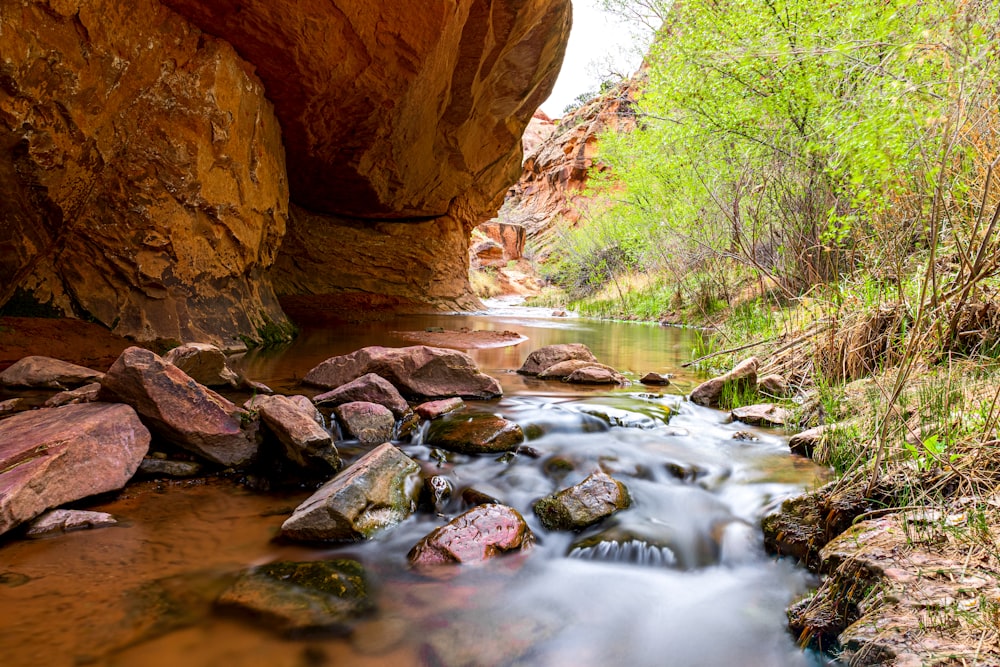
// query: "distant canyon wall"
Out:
[164,166]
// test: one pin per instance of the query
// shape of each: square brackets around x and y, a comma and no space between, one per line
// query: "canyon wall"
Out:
[143,153]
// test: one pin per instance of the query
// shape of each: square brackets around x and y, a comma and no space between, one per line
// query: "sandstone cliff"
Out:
[143,153]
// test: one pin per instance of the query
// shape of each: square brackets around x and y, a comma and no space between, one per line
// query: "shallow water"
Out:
[678,579]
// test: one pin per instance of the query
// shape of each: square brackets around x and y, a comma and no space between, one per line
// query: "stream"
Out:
[680,578]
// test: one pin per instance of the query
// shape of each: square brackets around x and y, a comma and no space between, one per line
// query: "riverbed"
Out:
[680,578]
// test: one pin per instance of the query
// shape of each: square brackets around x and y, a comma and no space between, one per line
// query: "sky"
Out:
[595,38]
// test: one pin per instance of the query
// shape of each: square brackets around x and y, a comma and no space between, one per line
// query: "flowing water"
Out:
[680,578]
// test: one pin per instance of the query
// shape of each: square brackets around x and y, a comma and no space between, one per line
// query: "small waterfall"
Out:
[633,552]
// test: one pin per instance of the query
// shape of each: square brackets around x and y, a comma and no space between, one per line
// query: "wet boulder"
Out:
[88,393]
[474,434]
[369,388]
[595,375]
[180,410]
[304,442]
[584,504]
[370,423]
[54,456]
[64,521]
[418,371]
[317,597]
[205,363]
[376,492]
[47,373]
[550,355]
[479,534]
[762,414]
[741,377]
[435,409]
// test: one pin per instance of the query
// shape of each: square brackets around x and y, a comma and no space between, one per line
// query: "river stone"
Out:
[170,468]
[595,375]
[774,385]
[743,375]
[481,533]
[656,378]
[439,491]
[54,456]
[806,442]
[564,369]
[180,410]
[304,442]
[88,393]
[63,521]
[583,504]
[376,492]
[474,434]
[435,409]
[545,357]
[369,388]
[205,363]
[47,373]
[418,371]
[370,423]
[762,414]
[317,597]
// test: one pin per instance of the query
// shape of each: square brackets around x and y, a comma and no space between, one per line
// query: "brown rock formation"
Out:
[143,176]
[141,172]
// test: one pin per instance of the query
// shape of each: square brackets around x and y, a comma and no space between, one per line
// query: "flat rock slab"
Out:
[435,409]
[169,468]
[205,363]
[180,410]
[563,369]
[317,597]
[47,373]
[376,492]
[304,442]
[418,371]
[53,456]
[479,534]
[584,504]
[595,375]
[762,414]
[63,521]
[474,434]
[550,355]
[743,375]
[370,423]
[369,388]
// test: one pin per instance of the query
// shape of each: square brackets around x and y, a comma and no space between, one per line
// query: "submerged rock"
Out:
[63,521]
[47,373]
[370,423]
[474,434]
[481,533]
[180,410]
[583,504]
[762,414]
[417,371]
[369,388]
[376,492]
[742,376]
[318,597]
[54,456]
[304,442]
[550,355]
[205,363]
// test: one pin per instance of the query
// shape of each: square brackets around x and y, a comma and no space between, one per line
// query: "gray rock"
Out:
[63,521]
[583,504]
[418,371]
[547,356]
[743,375]
[88,393]
[376,492]
[369,388]
[170,468]
[53,456]
[205,363]
[304,442]
[370,423]
[762,414]
[180,410]
[47,373]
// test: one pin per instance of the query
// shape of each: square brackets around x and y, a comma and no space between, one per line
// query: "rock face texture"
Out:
[142,172]
[142,153]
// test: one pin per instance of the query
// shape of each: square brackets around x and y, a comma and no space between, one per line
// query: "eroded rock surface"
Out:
[57,455]
[205,363]
[481,533]
[63,521]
